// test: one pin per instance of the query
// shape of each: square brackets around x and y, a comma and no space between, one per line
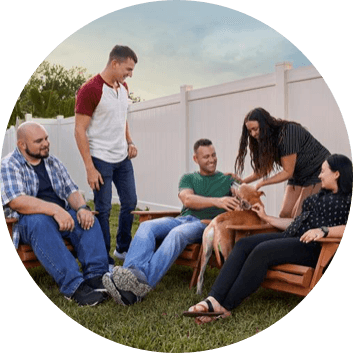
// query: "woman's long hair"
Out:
[342,164]
[263,152]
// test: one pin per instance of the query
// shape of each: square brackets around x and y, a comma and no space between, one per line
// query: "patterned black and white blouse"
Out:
[322,209]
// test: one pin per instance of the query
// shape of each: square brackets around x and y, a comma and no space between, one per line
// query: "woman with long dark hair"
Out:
[276,144]
[324,215]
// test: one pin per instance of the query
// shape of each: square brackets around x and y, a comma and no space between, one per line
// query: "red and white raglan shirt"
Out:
[108,111]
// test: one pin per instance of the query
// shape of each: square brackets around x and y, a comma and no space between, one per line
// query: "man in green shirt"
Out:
[204,194]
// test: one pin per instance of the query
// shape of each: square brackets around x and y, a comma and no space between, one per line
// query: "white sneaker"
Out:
[120,256]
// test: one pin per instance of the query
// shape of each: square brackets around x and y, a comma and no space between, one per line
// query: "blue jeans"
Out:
[122,175]
[42,233]
[150,265]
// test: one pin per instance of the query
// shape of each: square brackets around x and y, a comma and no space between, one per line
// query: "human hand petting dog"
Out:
[259,210]
[280,223]
[228,203]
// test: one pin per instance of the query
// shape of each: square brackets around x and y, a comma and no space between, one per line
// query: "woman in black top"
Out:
[324,214]
[274,144]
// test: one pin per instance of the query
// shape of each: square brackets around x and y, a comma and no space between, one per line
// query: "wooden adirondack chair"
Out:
[25,252]
[292,278]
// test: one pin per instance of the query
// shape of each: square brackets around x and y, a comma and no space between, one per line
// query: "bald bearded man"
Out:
[37,189]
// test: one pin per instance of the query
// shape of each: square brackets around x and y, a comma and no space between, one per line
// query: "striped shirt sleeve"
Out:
[12,185]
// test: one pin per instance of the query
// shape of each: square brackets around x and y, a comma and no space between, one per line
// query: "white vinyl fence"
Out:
[165,129]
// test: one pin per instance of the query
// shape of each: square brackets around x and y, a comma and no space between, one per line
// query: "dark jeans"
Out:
[42,233]
[247,265]
[122,175]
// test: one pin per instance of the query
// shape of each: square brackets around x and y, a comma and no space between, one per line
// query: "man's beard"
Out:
[37,155]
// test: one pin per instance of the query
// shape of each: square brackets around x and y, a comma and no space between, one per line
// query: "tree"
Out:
[49,92]
[134,99]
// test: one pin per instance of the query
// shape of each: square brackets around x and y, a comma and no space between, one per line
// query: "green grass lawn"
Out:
[156,324]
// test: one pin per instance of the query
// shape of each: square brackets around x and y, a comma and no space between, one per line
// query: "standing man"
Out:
[104,141]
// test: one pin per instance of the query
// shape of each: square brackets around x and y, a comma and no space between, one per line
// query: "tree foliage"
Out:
[49,92]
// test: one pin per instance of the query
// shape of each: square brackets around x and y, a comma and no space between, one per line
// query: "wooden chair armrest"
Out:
[148,215]
[328,250]
[11,220]
[172,213]
[252,227]
[329,240]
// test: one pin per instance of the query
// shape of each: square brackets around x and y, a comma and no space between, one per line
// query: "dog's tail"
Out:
[218,256]
[217,248]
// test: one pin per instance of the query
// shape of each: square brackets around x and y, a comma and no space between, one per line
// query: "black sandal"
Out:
[210,311]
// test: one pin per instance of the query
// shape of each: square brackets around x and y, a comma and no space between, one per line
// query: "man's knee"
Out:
[129,204]
[178,236]
[145,230]
[34,225]
[37,220]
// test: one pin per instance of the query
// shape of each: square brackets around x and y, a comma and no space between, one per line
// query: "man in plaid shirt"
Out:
[37,189]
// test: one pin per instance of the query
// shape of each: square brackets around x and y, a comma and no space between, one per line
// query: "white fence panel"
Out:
[159,135]
[9,141]
[311,103]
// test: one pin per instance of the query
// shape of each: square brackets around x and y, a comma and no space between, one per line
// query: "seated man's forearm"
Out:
[31,205]
[196,202]
[76,200]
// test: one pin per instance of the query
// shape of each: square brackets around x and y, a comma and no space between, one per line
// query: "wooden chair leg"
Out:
[196,271]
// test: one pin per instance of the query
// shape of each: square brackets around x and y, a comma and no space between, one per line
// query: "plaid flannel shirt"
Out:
[19,178]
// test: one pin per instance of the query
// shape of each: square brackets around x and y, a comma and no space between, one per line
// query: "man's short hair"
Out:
[202,142]
[121,53]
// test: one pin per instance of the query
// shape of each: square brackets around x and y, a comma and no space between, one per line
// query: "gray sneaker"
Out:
[127,281]
[120,296]
[111,288]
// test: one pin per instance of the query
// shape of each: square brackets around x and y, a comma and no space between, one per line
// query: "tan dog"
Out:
[220,239]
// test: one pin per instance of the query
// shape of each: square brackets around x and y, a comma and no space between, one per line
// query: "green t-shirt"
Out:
[217,185]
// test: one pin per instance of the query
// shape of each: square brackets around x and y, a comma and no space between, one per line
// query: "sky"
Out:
[178,43]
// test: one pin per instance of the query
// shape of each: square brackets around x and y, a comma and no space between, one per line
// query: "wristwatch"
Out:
[325,230]
[86,207]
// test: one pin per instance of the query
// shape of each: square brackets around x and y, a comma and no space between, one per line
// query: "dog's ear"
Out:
[261,193]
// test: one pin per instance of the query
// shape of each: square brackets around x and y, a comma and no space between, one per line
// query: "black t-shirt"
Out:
[295,139]
[46,191]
